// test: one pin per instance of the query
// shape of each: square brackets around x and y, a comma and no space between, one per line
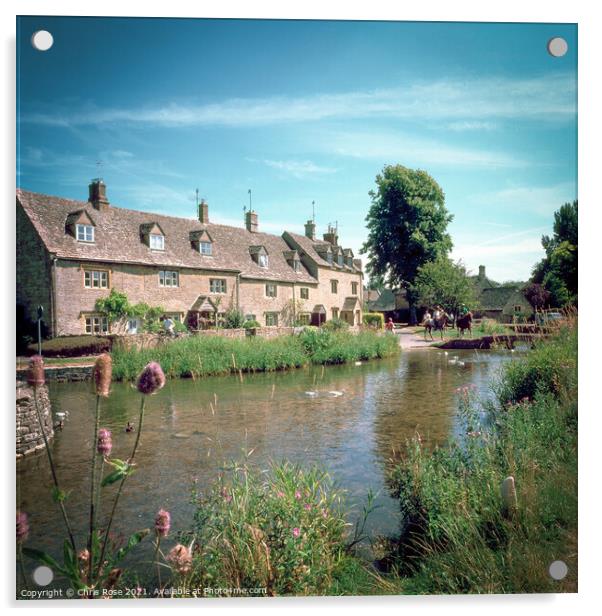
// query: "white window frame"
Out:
[156,241]
[218,285]
[271,285]
[206,248]
[96,279]
[263,261]
[84,233]
[304,318]
[169,279]
[96,324]
[271,316]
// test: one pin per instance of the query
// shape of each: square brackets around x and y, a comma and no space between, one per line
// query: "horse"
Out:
[464,323]
[436,324]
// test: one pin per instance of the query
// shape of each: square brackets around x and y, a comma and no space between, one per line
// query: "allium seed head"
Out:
[103,369]
[151,379]
[35,372]
[180,558]
[162,522]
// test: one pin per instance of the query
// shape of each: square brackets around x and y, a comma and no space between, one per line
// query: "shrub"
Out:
[72,346]
[282,530]
[251,324]
[374,319]
[233,319]
[335,325]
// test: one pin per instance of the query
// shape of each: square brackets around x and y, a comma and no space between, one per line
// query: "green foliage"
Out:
[489,327]
[445,283]
[251,324]
[407,225]
[234,319]
[335,325]
[282,530]
[72,346]
[457,535]
[558,270]
[115,306]
[198,356]
[374,319]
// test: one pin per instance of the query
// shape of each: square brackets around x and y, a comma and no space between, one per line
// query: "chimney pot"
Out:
[97,195]
[332,236]
[481,272]
[251,221]
[310,230]
[203,212]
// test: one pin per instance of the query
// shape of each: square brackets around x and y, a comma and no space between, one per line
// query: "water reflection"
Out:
[193,427]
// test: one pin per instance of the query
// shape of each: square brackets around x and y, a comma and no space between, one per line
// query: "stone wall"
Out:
[29,435]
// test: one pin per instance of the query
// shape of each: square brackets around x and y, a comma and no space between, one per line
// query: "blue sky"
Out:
[304,111]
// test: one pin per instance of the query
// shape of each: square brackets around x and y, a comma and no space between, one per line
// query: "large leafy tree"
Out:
[445,283]
[407,227]
[557,272]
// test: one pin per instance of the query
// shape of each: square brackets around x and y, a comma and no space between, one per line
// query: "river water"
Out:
[193,427]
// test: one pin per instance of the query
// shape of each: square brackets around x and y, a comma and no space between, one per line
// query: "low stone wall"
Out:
[62,374]
[29,435]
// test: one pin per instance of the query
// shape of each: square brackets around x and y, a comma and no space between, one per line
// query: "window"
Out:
[296,265]
[354,288]
[271,290]
[518,308]
[133,326]
[329,258]
[206,248]
[157,242]
[304,293]
[168,279]
[263,260]
[340,260]
[335,313]
[96,280]
[217,285]
[85,233]
[250,317]
[304,318]
[334,286]
[97,325]
[271,319]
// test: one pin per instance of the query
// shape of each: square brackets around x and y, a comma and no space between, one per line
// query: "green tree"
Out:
[407,227]
[443,282]
[557,271]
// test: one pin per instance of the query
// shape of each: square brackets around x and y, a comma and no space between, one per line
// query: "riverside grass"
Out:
[457,536]
[199,356]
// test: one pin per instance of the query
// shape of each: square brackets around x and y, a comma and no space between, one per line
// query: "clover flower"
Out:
[296,532]
[162,523]
[180,558]
[105,442]
[151,379]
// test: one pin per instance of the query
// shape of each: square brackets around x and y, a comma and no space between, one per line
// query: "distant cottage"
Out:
[71,253]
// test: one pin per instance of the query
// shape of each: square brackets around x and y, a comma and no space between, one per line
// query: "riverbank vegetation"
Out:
[461,532]
[199,356]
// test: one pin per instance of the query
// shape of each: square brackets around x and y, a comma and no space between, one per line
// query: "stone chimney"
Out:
[332,235]
[310,230]
[252,221]
[481,272]
[203,212]
[98,195]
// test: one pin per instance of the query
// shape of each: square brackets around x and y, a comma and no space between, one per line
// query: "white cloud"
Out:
[299,168]
[471,125]
[389,146]
[545,97]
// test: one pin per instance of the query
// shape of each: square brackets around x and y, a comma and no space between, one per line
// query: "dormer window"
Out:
[202,242]
[206,248]
[84,233]
[340,260]
[329,258]
[260,255]
[157,242]
[292,258]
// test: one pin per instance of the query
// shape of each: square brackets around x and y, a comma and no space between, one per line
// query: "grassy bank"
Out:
[199,356]
[459,534]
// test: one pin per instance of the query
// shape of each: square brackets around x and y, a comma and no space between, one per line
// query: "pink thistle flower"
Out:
[296,532]
[103,369]
[35,372]
[151,379]
[22,526]
[324,513]
[105,442]
[162,523]
[280,494]
[180,558]
[298,495]
[307,507]
[227,497]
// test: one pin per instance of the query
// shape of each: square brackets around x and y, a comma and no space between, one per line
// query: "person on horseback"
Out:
[427,317]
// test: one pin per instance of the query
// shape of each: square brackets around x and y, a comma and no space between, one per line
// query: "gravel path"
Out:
[409,339]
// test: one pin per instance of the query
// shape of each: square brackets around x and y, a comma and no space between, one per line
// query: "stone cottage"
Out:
[71,253]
